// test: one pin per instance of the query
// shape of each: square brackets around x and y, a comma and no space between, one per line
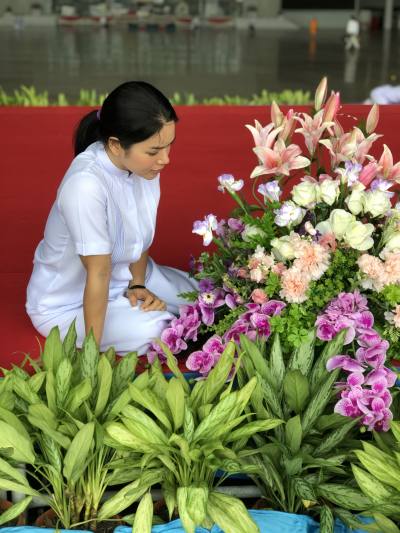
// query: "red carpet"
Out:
[36,149]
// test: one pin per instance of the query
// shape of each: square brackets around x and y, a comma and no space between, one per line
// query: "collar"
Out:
[108,165]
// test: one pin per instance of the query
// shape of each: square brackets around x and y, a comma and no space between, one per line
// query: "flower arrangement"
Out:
[320,248]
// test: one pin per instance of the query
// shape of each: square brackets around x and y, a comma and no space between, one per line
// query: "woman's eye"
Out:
[152,153]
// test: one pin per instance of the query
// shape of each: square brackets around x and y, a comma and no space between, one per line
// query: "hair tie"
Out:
[98,114]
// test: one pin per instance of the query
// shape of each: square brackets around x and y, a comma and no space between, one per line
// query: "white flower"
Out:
[355,202]
[329,191]
[271,190]
[392,244]
[358,235]
[205,228]
[289,214]
[228,182]
[305,194]
[340,221]
[251,231]
[283,248]
[377,202]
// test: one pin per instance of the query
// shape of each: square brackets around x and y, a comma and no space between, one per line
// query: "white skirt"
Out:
[127,328]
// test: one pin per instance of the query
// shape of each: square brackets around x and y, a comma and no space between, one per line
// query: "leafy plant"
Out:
[187,435]
[53,422]
[304,467]
[377,475]
[30,96]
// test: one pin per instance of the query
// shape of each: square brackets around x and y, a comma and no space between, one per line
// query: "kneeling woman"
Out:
[93,263]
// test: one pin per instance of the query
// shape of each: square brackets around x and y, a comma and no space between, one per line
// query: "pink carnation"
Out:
[294,286]
[374,270]
[392,268]
[312,259]
[278,269]
[258,296]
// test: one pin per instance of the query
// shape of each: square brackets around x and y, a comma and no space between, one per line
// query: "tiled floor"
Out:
[205,62]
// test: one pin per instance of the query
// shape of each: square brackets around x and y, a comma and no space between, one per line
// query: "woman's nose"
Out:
[164,158]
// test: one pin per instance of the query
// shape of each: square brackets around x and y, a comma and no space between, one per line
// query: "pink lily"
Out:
[279,160]
[372,119]
[264,136]
[368,173]
[389,171]
[320,93]
[312,129]
[288,125]
[276,114]
[331,107]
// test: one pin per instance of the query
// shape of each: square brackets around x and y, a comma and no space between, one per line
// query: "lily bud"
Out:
[368,173]
[372,119]
[289,125]
[320,93]
[338,129]
[276,114]
[331,107]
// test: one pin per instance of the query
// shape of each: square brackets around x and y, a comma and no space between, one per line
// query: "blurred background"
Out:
[196,49]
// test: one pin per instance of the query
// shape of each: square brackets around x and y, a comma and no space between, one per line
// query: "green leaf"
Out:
[296,390]
[15,510]
[51,391]
[7,485]
[69,343]
[246,431]
[196,503]
[175,396]
[230,514]
[147,399]
[326,520]
[13,473]
[144,515]
[303,356]
[332,440]
[15,422]
[277,363]
[371,487]
[344,496]
[379,467]
[319,401]
[385,524]
[123,374]
[293,434]
[22,449]
[104,380]
[89,358]
[331,349]
[79,394]
[187,521]
[36,381]
[172,365]
[53,350]
[77,453]
[146,425]
[63,381]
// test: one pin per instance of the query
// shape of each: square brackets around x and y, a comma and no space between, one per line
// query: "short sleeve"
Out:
[82,202]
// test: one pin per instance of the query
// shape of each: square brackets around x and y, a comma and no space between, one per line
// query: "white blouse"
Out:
[99,209]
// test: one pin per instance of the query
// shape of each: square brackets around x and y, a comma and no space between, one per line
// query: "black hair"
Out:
[132,113]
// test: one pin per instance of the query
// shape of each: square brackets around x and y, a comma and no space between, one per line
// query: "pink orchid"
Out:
[279,160]
[264,136]
[312,129]
[389,171]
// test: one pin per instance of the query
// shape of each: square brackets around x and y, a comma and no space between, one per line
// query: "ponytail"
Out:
[87,132]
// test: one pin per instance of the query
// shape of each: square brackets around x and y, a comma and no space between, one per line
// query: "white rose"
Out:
[377,203]
[340,221]
[355,202]
[305,194]
[393,243]
[324,227]
[282,248]
[329,191]
[251,231]
[358,235]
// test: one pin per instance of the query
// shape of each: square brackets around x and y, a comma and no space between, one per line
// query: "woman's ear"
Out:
[114,146]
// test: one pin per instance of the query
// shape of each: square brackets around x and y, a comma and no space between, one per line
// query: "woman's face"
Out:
[146,158]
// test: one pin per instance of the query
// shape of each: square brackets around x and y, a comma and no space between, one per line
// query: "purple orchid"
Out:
[190,320]
[206,285]
[172,337]
[200,361]
[208,302]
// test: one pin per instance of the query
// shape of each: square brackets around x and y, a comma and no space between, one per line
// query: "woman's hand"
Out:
[151,302]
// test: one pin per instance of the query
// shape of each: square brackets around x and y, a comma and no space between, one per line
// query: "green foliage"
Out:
[391,294]
[53,421]
[303,467]
[186,436]
[29,96]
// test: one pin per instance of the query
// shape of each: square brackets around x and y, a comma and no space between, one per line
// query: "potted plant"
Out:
[303,467]
[53,423]
[187,435]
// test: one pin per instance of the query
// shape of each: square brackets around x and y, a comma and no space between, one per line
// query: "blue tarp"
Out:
[267,521]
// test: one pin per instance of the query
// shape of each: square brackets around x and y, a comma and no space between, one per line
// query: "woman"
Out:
[93,263]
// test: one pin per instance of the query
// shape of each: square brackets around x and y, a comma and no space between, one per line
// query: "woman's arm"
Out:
[150,301]
[95,297]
